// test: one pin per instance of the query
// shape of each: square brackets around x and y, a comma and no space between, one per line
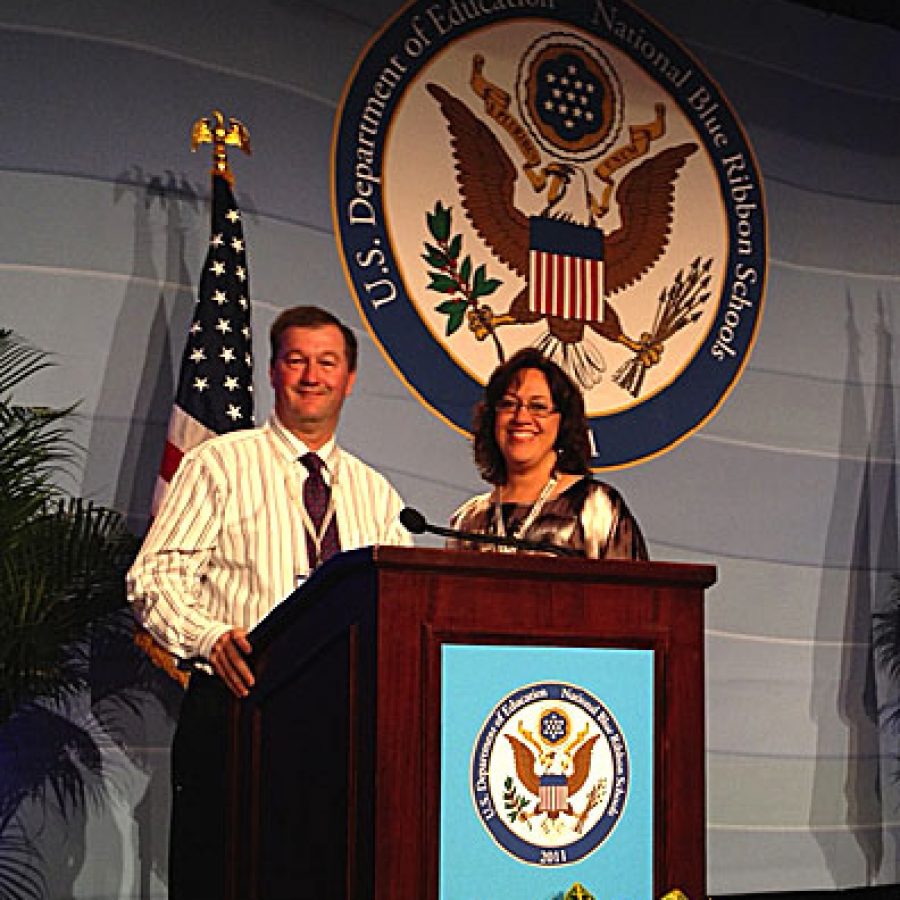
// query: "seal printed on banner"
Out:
[552,174]
[550,774]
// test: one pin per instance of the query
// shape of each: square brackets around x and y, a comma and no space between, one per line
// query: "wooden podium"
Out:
[334,759]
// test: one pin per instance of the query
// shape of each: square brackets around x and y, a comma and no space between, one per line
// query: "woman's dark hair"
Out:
[572,443]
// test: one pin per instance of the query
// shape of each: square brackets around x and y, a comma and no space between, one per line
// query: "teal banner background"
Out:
[475,679]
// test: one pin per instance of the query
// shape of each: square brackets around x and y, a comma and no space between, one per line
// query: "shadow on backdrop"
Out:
[61,763]
[848,786]
[153,306]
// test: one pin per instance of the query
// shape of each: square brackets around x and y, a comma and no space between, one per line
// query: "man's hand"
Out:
[228,658]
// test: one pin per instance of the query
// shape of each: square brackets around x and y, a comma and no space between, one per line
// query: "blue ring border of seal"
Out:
[525,850]
[622,438]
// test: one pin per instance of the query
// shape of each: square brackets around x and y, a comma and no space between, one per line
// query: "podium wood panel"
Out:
[334,758]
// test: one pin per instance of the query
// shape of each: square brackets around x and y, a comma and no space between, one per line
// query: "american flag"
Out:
[215,384]
[566,270]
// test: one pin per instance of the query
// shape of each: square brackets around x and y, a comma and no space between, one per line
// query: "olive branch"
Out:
[514,803]
[453,277]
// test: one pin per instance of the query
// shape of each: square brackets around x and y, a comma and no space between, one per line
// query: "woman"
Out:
[531,443]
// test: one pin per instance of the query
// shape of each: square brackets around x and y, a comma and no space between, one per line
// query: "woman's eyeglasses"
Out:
[510,406]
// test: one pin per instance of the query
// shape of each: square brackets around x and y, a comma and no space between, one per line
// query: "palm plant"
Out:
[62,566]
[62,560]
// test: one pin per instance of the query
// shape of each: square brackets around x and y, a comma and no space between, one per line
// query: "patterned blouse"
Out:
[589,516]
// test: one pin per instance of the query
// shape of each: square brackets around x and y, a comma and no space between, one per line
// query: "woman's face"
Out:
[526,437]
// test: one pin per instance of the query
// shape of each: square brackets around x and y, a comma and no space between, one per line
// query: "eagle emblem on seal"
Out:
[552,769]
[574,272]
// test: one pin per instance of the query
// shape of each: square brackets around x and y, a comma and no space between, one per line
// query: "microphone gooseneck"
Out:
[413,521]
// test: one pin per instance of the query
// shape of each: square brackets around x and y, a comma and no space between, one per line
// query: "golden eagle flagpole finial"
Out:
[236,134]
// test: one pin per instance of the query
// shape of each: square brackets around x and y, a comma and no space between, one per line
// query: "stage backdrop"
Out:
[790,489]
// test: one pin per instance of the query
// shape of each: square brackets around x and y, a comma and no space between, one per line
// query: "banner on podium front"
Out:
[546,772]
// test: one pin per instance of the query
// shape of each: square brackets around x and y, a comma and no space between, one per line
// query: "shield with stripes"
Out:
[554,792]
[566,270]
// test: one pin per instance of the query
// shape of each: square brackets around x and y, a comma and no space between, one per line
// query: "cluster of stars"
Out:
[219,352]
[553,727]
[569,98]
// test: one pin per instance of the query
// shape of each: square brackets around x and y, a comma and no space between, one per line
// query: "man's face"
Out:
[311,379]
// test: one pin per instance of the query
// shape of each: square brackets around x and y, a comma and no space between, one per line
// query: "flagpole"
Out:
[215,383]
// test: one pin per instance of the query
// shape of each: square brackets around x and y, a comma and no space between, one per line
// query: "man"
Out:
[234,536]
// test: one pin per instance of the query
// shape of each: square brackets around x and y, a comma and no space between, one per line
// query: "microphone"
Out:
[413,521]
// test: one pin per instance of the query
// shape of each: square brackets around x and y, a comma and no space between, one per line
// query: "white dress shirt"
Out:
[229,542]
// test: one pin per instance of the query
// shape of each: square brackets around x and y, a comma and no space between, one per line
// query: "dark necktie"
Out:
[316,495]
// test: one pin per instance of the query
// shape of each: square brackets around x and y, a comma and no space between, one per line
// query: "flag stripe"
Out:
[172,456]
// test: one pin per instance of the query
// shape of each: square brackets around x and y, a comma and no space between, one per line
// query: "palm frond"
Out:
[64,570]
[35,442]
[887,633]
[21,876]
[18,361]
[34,447]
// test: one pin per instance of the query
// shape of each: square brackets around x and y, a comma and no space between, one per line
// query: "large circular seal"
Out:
[550,773]
[510,174]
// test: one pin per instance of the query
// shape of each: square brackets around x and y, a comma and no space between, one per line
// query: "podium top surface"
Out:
[508,565]
[405,562]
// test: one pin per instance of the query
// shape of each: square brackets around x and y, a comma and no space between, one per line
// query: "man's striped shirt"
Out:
[229,542]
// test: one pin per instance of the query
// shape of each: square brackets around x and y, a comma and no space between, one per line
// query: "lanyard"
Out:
[529,520]
[317,536]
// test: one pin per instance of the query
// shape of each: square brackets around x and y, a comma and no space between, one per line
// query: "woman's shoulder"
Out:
[610,523]
[597,502]
[588,488]
[470,507]
[594,487]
